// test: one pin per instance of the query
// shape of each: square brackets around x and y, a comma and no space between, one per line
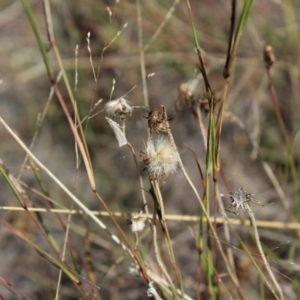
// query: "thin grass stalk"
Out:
[80,140]
[43,253]
[177,218]
[204,241]
[267,169]
[156,278]
[253,260]
[77,273]
[227,68]
[82,206]
[65,240]
[46,194]
[141,50]
[155,185]
[240,29]
[90,264]
[63,256]
[102,56]
[39,179]
[200,247]
[201,127]
[91,57]
[211,272]
[43,229]
[216,192]
[39,124]
[162,25]
[277,109]
[134,252]
[211,159]
[78,158]
[291,161]
[245,223]
[232,45]
[211,254]
[20,195]
[13,289]
[160,261]
[226,75]
[226,229]
[12,186]
[38,36]
[201,61]
[140,178]
[93,104]
[262,254]
[228,267]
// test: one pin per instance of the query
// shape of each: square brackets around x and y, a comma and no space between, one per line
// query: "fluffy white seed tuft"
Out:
[119,106]
[160,157]
[137,223]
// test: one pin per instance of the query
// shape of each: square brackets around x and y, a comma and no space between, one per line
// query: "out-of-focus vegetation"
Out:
[259,148]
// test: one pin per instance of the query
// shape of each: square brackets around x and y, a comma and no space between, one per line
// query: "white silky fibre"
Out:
[119,134]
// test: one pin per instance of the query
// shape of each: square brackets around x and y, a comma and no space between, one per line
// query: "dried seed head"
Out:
[204,104]
[137,222]
[160,157]
[240,197]
[185,96]
[157,120]
[119,106]
[185,93]
[269,56]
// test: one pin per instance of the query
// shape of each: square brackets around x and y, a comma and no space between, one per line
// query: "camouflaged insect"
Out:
[239,198]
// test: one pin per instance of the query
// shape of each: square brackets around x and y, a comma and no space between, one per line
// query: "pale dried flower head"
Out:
[239,198]
[160,157]
[269,56]
[119,106]
[137,222]
[184,92]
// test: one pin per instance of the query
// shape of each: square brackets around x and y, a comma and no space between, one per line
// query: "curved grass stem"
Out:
[262,254]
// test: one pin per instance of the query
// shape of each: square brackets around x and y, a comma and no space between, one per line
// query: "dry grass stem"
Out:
[148,219]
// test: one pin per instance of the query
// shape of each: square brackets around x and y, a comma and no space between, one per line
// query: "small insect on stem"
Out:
[239,198]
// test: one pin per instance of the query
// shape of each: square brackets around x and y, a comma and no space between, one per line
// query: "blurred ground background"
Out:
[24,91]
